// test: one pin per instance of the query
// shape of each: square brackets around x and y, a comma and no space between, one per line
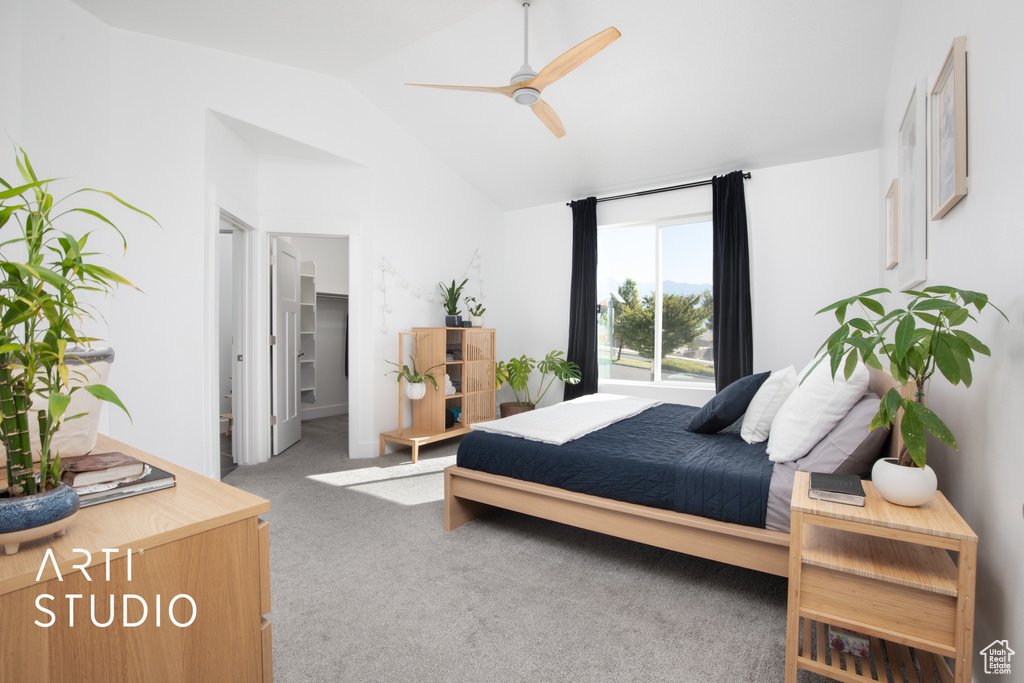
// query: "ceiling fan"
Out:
[526,84]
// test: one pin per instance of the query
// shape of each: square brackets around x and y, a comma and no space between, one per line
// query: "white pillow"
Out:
[813,409]
[757,421]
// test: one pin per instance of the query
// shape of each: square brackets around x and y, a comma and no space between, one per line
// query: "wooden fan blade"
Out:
[572,58]
[506,90]
[546,114]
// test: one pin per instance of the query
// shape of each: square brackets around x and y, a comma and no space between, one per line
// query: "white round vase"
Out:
[415,390]
[907,486]
[477,320]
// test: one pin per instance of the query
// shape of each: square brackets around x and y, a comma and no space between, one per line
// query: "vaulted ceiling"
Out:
[692,88]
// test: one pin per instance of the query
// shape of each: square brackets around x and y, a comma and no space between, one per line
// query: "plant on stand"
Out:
[476,311]
[42,312]
[415,381]
[916,341]
[516,373]
[450,300]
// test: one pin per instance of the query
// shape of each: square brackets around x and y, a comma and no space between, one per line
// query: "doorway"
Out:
[309,332]
[231,316]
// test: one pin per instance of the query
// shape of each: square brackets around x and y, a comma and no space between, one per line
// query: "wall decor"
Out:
[387,269]
[949,131]
[913,183]
[892,225]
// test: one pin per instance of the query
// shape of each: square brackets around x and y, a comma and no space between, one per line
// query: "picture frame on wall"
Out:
[892,225]
[913,184]
[949,131]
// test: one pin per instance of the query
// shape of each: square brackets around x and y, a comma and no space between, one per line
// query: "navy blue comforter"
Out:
[649,459]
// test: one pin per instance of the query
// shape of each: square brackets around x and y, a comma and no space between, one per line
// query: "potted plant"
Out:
[476,311]
[415,381]
[916,341]
[450,300]
[42,312]
[516,373]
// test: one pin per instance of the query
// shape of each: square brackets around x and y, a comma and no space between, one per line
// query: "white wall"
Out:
[811,230]
[138,125]
[978,245]
[805,224]
[10,76]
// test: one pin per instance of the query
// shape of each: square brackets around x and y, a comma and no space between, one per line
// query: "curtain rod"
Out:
[656,190]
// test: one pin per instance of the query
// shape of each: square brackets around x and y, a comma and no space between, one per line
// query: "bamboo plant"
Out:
[43,309]
[925,338]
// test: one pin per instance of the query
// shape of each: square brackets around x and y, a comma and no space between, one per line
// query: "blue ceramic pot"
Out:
[39,509]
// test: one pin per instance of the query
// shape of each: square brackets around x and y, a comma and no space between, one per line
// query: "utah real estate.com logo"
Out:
[997,657]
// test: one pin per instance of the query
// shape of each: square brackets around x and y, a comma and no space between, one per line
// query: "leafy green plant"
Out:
[450,296]
[516,373]
[42,312]
[925,339]
[684,319]
[473,307]
[413,376]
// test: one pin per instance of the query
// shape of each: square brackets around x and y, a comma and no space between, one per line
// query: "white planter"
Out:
[907,486]
[477,320]
[415,391]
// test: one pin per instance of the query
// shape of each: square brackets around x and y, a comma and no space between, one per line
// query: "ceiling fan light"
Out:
[526,96]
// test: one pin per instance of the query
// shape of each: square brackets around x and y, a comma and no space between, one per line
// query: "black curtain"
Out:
[583,297]
[733,336]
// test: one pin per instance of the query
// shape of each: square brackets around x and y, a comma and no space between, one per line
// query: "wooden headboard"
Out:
[879,382]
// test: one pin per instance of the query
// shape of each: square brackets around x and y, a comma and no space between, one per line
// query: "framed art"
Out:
[913,183]
[949,131]
[892,225]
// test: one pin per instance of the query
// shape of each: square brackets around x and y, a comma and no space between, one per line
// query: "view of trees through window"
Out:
[655,277]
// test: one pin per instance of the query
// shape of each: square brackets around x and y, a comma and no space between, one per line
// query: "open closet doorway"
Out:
[309,328]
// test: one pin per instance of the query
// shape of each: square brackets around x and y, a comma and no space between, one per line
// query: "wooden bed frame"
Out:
[469,493]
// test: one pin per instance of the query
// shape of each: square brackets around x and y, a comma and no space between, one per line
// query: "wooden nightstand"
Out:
[886,571]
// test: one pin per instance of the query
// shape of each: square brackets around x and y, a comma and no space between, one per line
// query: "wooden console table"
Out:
[201,538]
[886,571]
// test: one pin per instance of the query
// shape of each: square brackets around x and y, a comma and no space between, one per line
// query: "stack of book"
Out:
[837,488]
[104,477]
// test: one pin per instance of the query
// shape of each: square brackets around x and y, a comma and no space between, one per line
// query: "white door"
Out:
[284,278]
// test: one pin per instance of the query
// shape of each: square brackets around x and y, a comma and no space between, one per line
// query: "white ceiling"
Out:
[692,88]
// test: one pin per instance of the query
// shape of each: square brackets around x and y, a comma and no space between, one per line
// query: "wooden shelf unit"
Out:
[471,368]
[883,570]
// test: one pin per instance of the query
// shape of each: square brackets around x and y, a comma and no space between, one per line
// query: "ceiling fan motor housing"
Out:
[526,96]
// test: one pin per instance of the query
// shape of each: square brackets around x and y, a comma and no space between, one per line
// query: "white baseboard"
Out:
[324,411]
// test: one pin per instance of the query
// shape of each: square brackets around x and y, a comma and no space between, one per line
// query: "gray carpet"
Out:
[367,586]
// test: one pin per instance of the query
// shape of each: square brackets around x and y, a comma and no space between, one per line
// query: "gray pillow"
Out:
[728,405]
[851,447]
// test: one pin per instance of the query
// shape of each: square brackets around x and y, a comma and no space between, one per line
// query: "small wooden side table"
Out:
[883,570]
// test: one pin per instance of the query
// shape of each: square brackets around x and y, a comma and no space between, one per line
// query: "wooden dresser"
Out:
[200,542]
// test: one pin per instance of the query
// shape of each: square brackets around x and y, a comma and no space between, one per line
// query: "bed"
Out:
[722,524]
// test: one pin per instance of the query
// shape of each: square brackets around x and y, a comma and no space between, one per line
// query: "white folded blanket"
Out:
[569,420]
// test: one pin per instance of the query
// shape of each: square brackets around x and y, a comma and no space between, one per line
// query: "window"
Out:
[655,276]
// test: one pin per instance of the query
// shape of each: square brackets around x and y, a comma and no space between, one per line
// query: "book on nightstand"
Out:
[96,468]
[837,488]
[152,479]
